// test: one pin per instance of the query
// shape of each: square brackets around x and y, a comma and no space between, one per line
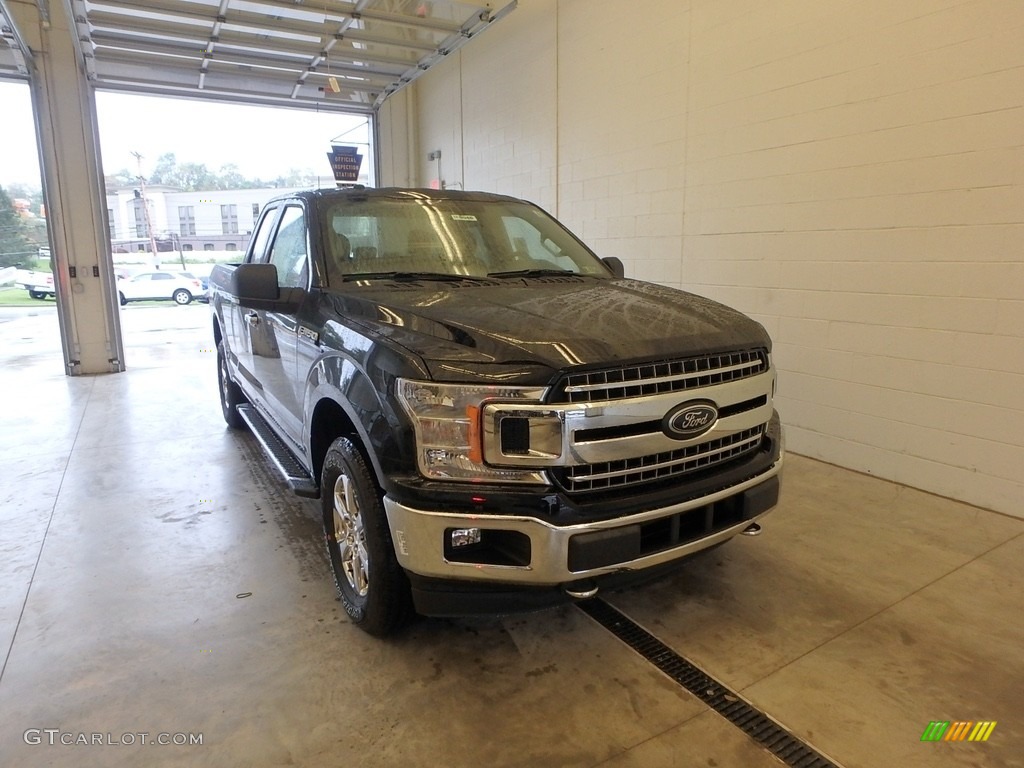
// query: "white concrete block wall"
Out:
[622,132]
[396,144]
[510,87]
[862,164]
[850,174]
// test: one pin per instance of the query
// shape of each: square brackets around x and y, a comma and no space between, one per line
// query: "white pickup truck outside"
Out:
[38,284]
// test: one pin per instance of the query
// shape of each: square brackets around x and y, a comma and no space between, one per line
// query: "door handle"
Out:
[253,319]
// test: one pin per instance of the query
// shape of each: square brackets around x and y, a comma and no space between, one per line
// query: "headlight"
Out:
[447,422]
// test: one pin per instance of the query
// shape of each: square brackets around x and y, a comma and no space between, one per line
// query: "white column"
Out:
[76,213]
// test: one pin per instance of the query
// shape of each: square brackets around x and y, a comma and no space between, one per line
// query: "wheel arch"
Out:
[329,421]
[341,400]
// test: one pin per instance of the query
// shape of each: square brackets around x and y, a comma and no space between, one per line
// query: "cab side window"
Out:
[289,251]
[262,236]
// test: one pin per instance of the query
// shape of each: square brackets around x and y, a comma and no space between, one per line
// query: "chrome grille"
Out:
[658,466]
[659,377]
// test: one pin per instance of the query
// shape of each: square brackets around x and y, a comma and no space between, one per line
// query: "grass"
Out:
[18,297]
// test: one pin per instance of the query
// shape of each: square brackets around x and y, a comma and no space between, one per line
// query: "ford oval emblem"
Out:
[689,420]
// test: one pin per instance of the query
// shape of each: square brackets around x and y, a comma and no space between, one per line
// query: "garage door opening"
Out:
[185,183]
[29,330]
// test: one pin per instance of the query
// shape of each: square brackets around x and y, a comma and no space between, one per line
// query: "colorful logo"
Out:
[960,730]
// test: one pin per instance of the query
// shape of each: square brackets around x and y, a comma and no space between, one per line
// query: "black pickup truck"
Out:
[493,417]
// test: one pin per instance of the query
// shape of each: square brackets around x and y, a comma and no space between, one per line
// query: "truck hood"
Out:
[553,323]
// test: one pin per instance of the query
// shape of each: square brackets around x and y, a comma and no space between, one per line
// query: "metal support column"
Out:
[76,212]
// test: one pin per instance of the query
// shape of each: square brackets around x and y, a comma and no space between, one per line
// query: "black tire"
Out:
[230,395]
[121,298]
[373,587]
[182,297]
[37,294]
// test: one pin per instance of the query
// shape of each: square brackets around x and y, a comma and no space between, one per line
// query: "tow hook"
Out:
[581,590]
[752,530]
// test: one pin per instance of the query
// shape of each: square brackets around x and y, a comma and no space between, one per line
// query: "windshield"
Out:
[421,237]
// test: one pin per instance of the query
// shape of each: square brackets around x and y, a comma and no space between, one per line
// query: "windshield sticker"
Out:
[463,217]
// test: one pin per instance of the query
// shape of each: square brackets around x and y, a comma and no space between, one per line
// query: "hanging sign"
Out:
[345,162]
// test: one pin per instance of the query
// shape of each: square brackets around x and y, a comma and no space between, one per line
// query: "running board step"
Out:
[295,475]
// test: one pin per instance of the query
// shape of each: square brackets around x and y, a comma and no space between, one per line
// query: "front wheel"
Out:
[37,294]
[182,297]
[230,395]
[374,589]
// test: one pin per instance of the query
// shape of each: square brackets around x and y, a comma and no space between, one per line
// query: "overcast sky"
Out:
[262,142]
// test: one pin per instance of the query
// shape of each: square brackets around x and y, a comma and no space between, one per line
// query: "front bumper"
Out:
[531,552]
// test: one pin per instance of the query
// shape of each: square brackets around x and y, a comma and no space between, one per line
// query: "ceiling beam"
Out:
[129,38]
[269,52]
[469,30]
[143,14]
[211,42]
[158,55]
[312,25]
[437,25]
[20,51]
[372,14]
[116,62]
[158,87]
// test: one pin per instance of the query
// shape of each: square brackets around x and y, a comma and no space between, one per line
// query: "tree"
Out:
[232,178]
[164,170]
[34,195]
[122,178]
[15,247]
[295,178]
[33,221]
[196,177]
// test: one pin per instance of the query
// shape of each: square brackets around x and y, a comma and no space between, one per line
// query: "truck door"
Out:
[274,334]
[236,325]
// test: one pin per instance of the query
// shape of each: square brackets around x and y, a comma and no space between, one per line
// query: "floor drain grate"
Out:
[752,721]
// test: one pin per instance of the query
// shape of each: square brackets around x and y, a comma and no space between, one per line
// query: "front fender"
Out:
[363,389]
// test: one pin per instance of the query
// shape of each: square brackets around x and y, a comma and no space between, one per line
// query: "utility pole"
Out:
[181,255]
[145,210]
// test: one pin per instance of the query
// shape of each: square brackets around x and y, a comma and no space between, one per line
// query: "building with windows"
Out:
[218,220]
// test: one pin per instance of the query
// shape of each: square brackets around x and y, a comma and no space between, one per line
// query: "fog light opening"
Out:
[465,537]
[487,546]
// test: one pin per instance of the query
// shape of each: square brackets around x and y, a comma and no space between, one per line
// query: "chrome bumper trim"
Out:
[419,540]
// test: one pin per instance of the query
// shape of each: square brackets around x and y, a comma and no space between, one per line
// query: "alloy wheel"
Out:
[350,535]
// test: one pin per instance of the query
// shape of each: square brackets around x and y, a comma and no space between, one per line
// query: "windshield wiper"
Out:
[445,276]
[532,273]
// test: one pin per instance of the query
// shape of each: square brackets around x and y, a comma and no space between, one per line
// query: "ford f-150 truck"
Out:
[493,417]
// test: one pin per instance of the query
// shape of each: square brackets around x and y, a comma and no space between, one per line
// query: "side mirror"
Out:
[615,265]
[256,287]
[254,282]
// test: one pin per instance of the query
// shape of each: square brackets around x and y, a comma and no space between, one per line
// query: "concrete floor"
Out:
[156,578]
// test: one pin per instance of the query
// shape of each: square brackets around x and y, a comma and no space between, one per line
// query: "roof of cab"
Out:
[394,193]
